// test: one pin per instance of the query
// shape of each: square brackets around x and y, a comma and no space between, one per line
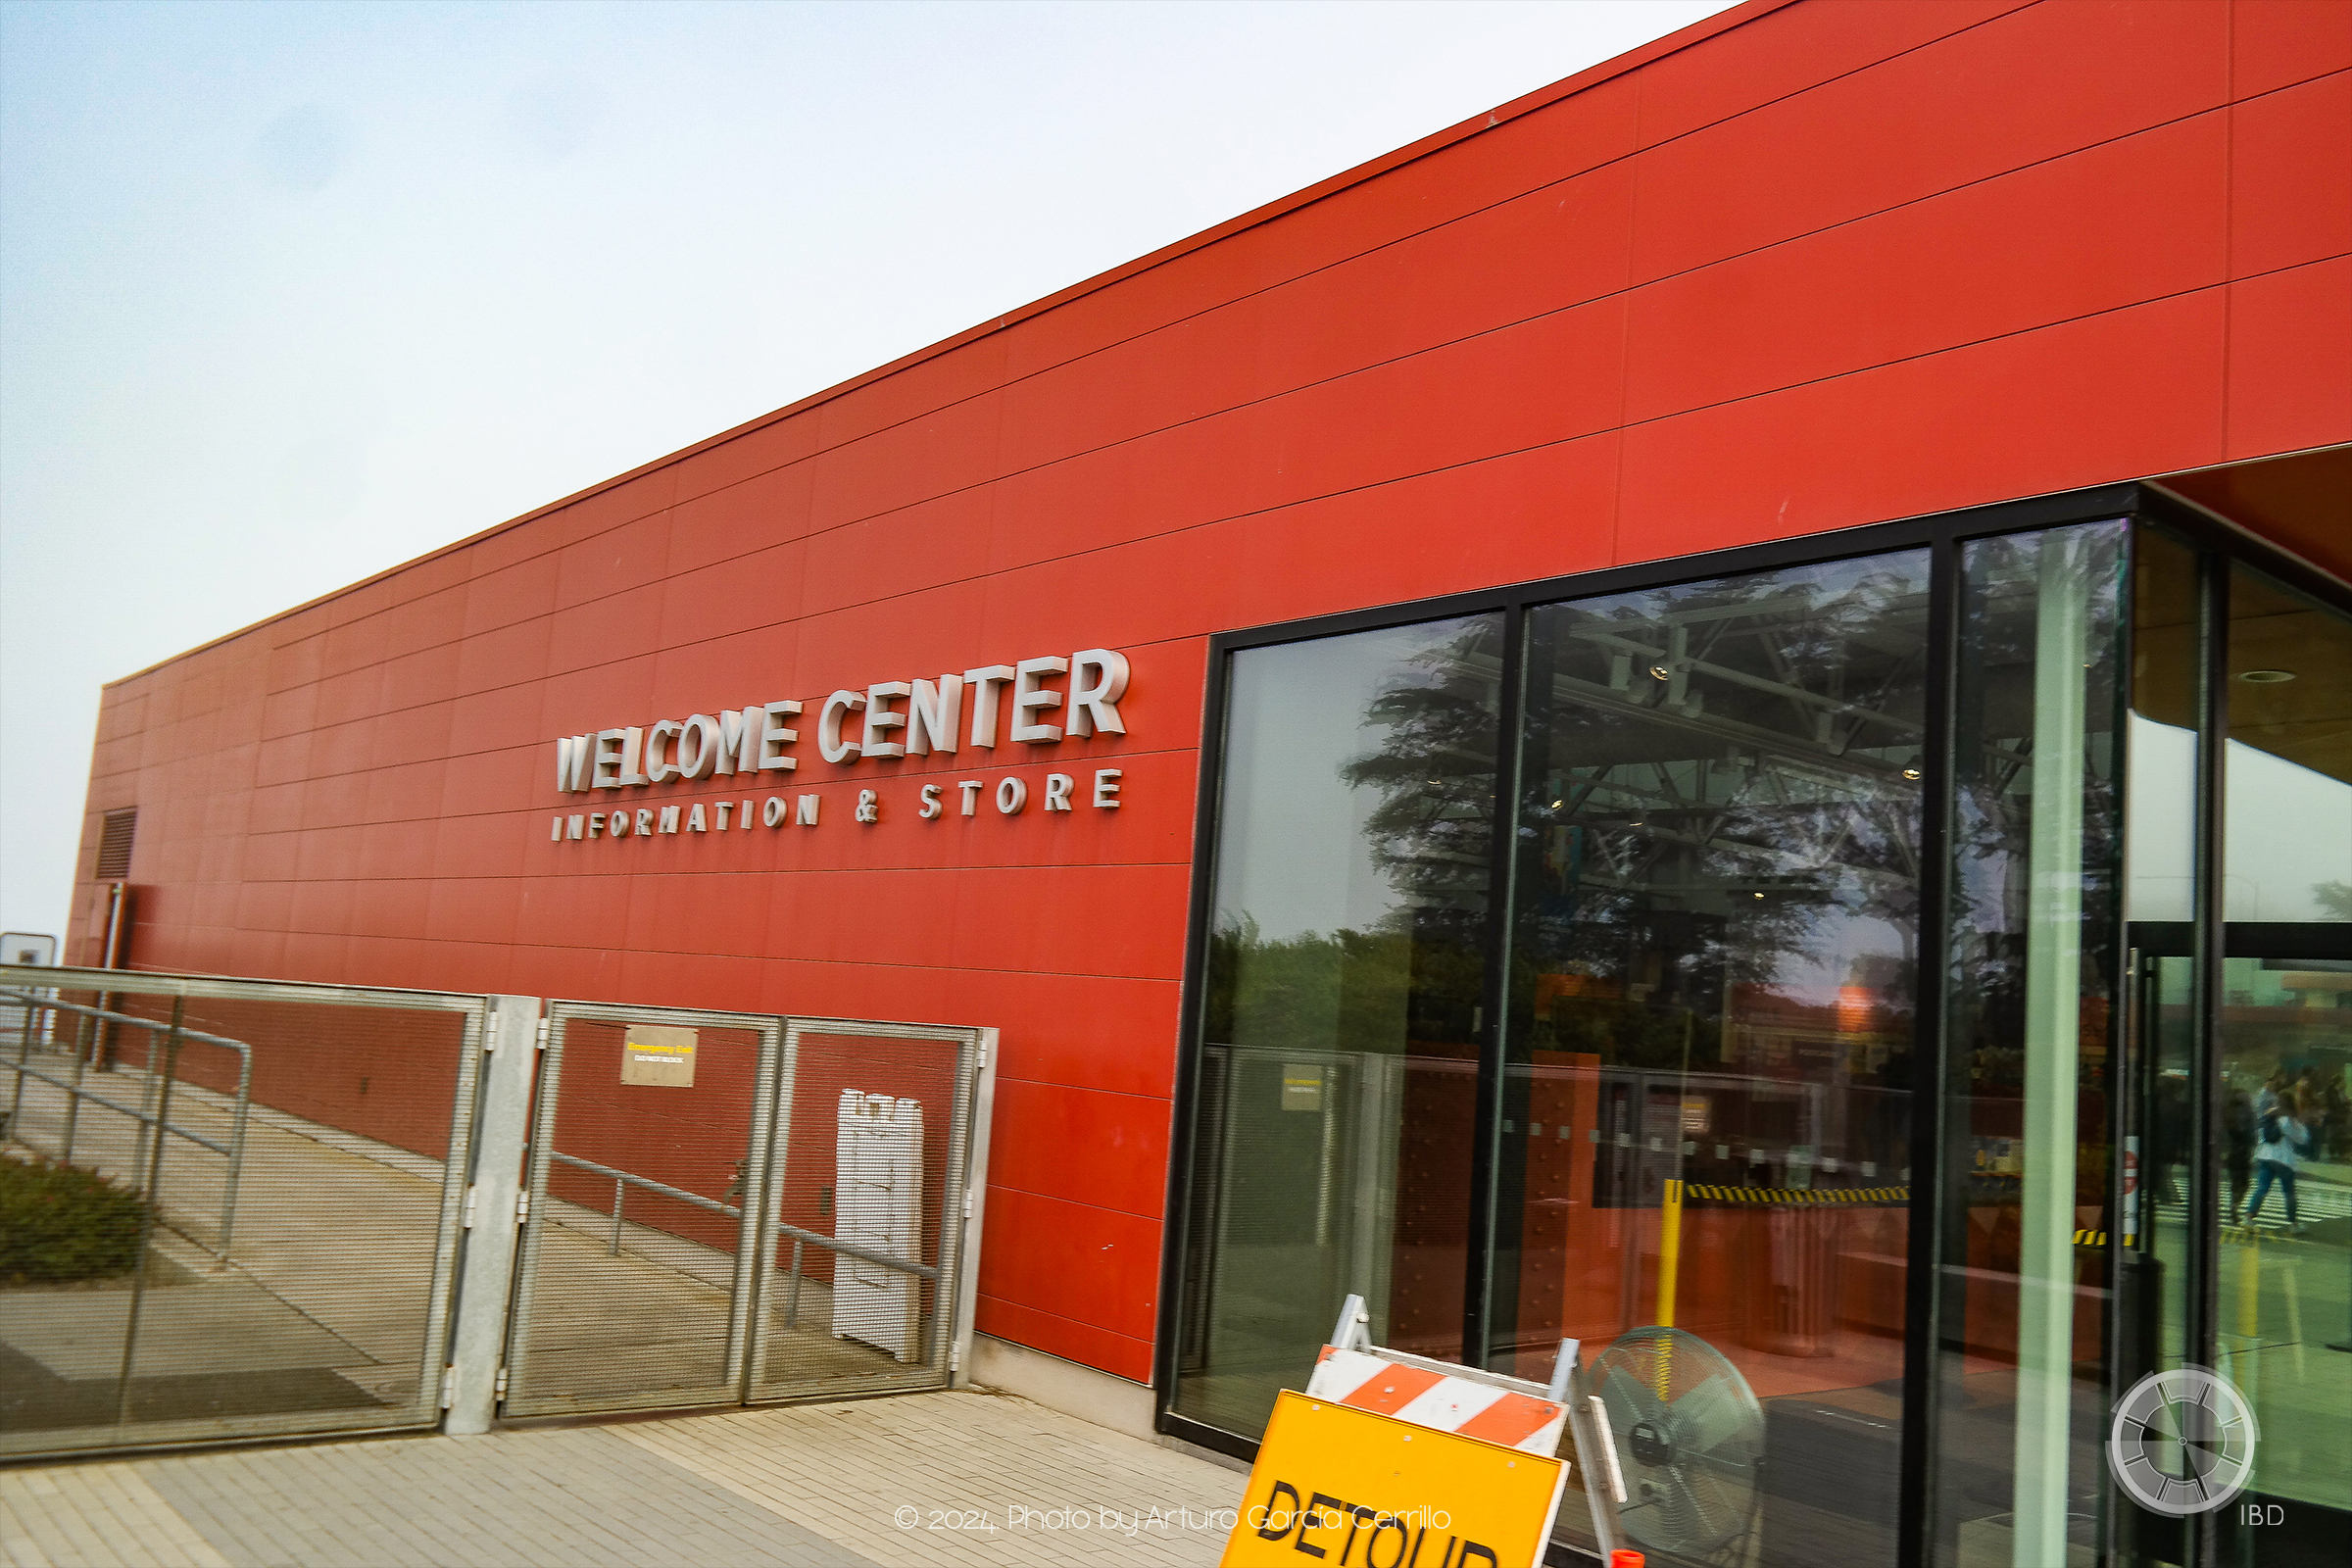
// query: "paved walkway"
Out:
[907,1482]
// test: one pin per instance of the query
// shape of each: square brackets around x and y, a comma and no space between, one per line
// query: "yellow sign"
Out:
[1352,1487]
[659,1054]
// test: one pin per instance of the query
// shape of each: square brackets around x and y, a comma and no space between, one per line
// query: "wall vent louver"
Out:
[114,844]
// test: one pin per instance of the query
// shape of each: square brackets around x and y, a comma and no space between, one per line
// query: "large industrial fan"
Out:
[1690,1439]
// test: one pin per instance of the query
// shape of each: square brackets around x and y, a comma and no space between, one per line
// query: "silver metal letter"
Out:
[934,713]
[632,742]
[774,737]
[698,748]
[772,810]
[659,768]
[804,810]
[971,788]
[829,743]
[984,682]
[879,717]
[1013,793]
[695,822]
[575,756]
[605,775]
[1028,696]
[1107,788]
[739,738]
[669,818]
[930,807]
[1098,680]
[1057,792]
[869,806]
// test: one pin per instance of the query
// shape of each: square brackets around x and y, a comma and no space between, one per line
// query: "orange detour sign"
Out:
[1350,1488]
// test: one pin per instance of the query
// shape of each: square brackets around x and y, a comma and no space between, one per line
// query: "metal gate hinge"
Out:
[501,1387]
[522,1208]
[472,1193]
[448,1385]
[547,1027]
[490,1031]
[967,1205]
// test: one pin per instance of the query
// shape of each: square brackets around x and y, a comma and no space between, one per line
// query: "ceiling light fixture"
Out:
[1660,673]
[1910,773]
[2267,678]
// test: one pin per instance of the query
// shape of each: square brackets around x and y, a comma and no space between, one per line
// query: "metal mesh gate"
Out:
[231,1208]
[649,1127]
[672,1151]
[867,1223]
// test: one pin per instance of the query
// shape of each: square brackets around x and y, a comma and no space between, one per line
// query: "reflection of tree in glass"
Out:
[1346,991]
[1432,832]
[1993,799]
[1416,975]
[1721,784]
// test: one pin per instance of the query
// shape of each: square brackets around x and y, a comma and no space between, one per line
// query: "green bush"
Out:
[59,1225]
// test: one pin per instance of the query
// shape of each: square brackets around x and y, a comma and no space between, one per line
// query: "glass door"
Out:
[2283,1280]
[2234,1200]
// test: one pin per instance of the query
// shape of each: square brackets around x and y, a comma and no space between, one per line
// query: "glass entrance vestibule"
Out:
[1886,995]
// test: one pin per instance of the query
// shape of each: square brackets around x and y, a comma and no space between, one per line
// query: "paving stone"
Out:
[858,1485]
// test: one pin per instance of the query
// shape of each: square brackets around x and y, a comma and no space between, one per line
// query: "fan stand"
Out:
[1635,1374]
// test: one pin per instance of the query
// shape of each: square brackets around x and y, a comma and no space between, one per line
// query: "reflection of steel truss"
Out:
[1818,767]
[1625,851]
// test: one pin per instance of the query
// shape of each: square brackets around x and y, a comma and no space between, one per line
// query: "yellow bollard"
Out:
[2250,1288]
[1670,1250]
[1670,1259]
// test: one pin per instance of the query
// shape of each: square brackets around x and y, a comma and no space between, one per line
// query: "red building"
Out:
[1804,267]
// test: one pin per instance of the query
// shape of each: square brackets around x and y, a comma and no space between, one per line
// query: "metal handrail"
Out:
[233,1151]
[624,1178]
[849,1249]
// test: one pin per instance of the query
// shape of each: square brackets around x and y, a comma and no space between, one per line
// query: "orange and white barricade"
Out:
[1415,1391]
[1473,1403]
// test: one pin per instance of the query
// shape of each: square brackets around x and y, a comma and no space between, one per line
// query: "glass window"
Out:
[2033,982]
[1706,1122]
[2156,1259]
[2159,903]
[2284,1277]
[1338,1078]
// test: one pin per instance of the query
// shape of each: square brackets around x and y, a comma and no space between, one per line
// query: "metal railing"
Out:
[155,1122]
[622,1180]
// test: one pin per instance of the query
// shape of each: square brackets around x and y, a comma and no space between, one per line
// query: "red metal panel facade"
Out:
[1807,267]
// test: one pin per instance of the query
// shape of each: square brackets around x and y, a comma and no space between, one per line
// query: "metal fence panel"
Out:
[268,1211]
[649,1149]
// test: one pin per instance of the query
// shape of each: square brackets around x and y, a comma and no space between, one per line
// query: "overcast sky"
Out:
[291,293]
